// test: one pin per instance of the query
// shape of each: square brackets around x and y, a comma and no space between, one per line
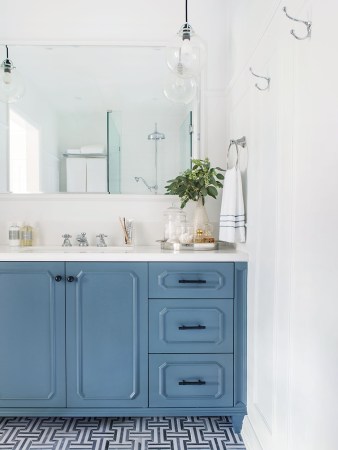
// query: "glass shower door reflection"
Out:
[114,154]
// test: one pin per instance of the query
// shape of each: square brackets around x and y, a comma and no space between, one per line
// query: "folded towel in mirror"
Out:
[93,148]
[73,151]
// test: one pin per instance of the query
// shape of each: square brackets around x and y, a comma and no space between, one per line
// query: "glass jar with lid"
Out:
[174,218]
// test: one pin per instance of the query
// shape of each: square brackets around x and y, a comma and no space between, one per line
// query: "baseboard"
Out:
[249,436]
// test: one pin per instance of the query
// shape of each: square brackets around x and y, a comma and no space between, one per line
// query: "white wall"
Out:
[292,219]
[127,22]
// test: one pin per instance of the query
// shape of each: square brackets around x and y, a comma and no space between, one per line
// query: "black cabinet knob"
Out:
[70,279]
[58,278]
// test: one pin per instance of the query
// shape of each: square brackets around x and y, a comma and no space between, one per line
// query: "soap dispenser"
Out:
[26,235]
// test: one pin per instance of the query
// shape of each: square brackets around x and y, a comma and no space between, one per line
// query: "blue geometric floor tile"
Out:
[114,433]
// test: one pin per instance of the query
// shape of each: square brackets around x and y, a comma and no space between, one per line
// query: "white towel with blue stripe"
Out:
[232,217]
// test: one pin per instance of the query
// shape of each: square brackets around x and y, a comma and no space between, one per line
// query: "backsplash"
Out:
[52,215]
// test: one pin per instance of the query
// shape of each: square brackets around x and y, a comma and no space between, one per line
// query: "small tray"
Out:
[190,247]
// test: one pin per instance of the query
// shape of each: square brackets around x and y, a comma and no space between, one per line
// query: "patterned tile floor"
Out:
[91,433]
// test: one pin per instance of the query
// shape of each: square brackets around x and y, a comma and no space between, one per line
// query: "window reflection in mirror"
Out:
[24,151]
[93,108]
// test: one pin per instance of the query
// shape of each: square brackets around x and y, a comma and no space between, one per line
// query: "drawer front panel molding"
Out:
[195,280]
[186,380]
[191,326]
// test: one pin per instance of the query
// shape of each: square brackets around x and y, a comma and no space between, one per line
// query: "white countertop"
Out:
[149,253]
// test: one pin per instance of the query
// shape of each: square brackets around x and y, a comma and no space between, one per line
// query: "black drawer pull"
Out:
[192,327]
[195,383]
[192,281]
[70,279]
[58,278]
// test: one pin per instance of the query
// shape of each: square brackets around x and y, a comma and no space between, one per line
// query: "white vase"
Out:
[201,218]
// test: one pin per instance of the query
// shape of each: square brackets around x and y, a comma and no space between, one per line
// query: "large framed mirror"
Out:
[94,119]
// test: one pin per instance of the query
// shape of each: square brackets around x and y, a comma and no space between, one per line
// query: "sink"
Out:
[75,249]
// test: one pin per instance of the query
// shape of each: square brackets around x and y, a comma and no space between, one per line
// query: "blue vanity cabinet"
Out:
[107,338]
[123,339]
[197,338]
[32,335]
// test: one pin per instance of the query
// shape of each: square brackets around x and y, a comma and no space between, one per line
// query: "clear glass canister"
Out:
[174,218]
[14,235]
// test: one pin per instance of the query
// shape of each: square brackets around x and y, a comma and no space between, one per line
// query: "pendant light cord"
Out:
[6,51]
[186,11]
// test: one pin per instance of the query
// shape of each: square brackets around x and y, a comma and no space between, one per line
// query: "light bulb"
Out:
[7,77]
[180,90]
[11,84]
[186,54]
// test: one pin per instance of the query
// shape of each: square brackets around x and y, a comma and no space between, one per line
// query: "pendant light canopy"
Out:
[186,54]
[11,84]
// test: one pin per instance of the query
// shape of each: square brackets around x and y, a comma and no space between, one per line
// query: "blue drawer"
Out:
[192,326]
[190,380]
[191,280]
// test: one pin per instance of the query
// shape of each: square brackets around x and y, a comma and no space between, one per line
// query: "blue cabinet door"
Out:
[32,335]
[107,341]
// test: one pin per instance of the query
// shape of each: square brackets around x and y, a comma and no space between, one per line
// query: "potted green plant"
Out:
[196,184]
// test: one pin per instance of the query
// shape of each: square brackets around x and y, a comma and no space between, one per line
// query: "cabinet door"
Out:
[107,335]
[32,335]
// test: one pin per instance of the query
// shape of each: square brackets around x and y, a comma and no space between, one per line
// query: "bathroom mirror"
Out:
[94,119]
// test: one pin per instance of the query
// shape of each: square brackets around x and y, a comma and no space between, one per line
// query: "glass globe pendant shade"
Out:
[186,54]
[11,84]
[180,90]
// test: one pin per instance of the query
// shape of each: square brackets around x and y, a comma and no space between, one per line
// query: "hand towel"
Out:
[232,217]
[93,148]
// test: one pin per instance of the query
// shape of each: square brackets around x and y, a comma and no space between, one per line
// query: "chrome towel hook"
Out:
[305,22]
[241,141]
[267,79]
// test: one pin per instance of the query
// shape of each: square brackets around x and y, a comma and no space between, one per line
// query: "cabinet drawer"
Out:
[192,326]
[191,280]
[190,380]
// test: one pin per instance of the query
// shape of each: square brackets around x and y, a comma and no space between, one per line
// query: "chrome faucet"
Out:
[66,240]
[82,240]
[101,242]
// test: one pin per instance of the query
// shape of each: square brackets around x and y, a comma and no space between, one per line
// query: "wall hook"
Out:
[305,22]
[267,79]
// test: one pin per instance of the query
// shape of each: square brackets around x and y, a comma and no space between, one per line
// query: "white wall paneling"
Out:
[291,188]
[263,118]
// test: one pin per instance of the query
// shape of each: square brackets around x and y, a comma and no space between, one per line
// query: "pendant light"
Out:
[180,90]
[186,54]
[11,84]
